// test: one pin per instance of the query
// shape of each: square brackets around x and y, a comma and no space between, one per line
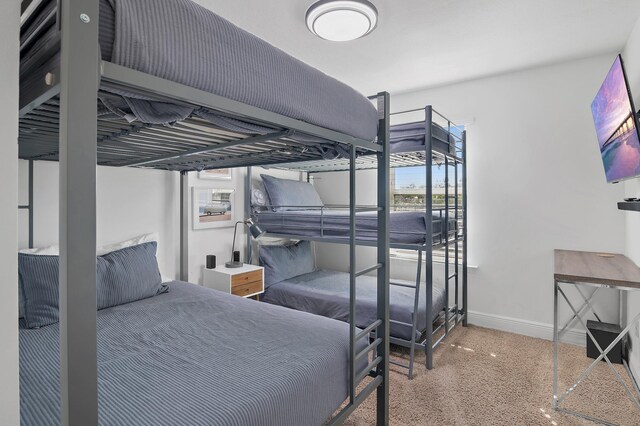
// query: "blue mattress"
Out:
[197,356]
[326,293]
[405,227]
[410,137]
[184,42]
[189,44]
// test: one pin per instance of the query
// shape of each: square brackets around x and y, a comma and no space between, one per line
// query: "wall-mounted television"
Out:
[616,123]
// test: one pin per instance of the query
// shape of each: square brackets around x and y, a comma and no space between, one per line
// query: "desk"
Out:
[595,270]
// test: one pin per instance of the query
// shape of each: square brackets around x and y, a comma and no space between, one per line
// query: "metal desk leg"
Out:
[555,344]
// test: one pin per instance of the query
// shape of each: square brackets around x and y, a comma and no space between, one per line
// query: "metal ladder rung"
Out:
[399,364]
[453,275]
[366,371]
[367,270]
[391,321]
[368,349]
[402,284]
[367,330]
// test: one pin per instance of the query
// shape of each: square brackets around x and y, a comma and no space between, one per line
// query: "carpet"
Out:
[488,377]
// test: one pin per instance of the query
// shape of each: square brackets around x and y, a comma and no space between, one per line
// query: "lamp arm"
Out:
[235,231]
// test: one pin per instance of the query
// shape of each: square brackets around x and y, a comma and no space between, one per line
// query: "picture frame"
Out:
[213,207]
[216,174]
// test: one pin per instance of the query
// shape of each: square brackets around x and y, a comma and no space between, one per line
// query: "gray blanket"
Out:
[183,42]
[197,356]
[404,227]
[326,293]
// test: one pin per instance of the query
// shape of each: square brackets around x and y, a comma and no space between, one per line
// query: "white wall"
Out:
[9,24]
[218,241]
[631,56]
[130,202]
[535,183]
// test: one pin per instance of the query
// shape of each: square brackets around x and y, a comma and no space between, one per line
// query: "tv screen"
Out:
[616,125]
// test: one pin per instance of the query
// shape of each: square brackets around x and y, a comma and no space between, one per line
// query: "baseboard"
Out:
[525,327]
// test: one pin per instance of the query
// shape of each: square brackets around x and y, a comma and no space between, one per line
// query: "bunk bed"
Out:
[98,86]
[432,142]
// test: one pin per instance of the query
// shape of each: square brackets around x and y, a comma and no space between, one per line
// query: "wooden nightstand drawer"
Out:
[247,288]
[245,281]
[246,277]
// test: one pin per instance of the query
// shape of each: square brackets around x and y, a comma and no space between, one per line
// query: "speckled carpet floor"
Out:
[488,377]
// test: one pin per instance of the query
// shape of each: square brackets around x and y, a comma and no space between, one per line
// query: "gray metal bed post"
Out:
[465,310]
[444,230]
[79,80]
[184,226]
[352,273]
[30,204]
[383,258]
[247,212]
[428,347]
[456,243]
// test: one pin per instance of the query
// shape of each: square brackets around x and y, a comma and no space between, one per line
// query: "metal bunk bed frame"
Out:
[58,122]
[454,156]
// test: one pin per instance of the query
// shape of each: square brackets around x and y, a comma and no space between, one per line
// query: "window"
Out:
[408,193]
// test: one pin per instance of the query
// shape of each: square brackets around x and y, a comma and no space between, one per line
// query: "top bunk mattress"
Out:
[199,357]
[181,41]
[405,227]
[410,137]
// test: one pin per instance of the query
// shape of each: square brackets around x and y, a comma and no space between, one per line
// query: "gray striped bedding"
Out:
[183,42]
[326,293]
[404,227]
[196,356]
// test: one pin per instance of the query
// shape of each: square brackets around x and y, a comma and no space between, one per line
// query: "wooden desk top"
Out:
[611,269]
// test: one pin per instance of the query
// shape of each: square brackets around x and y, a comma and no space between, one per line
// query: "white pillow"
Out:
[102,250]
[108,248]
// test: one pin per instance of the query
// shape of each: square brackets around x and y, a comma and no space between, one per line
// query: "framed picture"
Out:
[213,208]
[217,174]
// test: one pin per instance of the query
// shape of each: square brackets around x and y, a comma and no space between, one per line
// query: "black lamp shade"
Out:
[256,231]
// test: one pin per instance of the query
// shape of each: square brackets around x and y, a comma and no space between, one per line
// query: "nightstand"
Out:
[246,281]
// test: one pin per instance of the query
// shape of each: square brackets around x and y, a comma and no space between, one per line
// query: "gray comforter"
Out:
[404,227]
[183,42]
[326,293]
[196,356]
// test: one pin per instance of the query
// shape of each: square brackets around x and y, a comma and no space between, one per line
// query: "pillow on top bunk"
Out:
[282,262]
[294,194]
[123,276]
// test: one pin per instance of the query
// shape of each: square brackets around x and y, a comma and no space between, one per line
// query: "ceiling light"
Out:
[341,20]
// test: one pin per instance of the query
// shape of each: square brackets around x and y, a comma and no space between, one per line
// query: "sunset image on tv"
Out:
[616,126]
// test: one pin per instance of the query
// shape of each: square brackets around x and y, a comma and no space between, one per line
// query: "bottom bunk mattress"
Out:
[404,227]
[199,357]
[326,293]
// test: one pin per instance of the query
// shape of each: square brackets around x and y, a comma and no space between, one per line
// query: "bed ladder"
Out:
[378,347]
[414,319]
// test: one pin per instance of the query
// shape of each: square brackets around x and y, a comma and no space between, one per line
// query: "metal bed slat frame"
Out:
[76,76]
[453,156]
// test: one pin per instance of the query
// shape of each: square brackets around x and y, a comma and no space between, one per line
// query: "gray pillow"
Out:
[293,193]
[282,262]
[128,275]
[123,276]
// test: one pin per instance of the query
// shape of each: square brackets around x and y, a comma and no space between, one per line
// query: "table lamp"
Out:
[256,232]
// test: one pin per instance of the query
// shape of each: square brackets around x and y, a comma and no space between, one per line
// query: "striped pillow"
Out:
[123,276]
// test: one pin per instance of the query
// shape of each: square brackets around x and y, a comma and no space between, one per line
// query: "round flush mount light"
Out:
[341,20]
